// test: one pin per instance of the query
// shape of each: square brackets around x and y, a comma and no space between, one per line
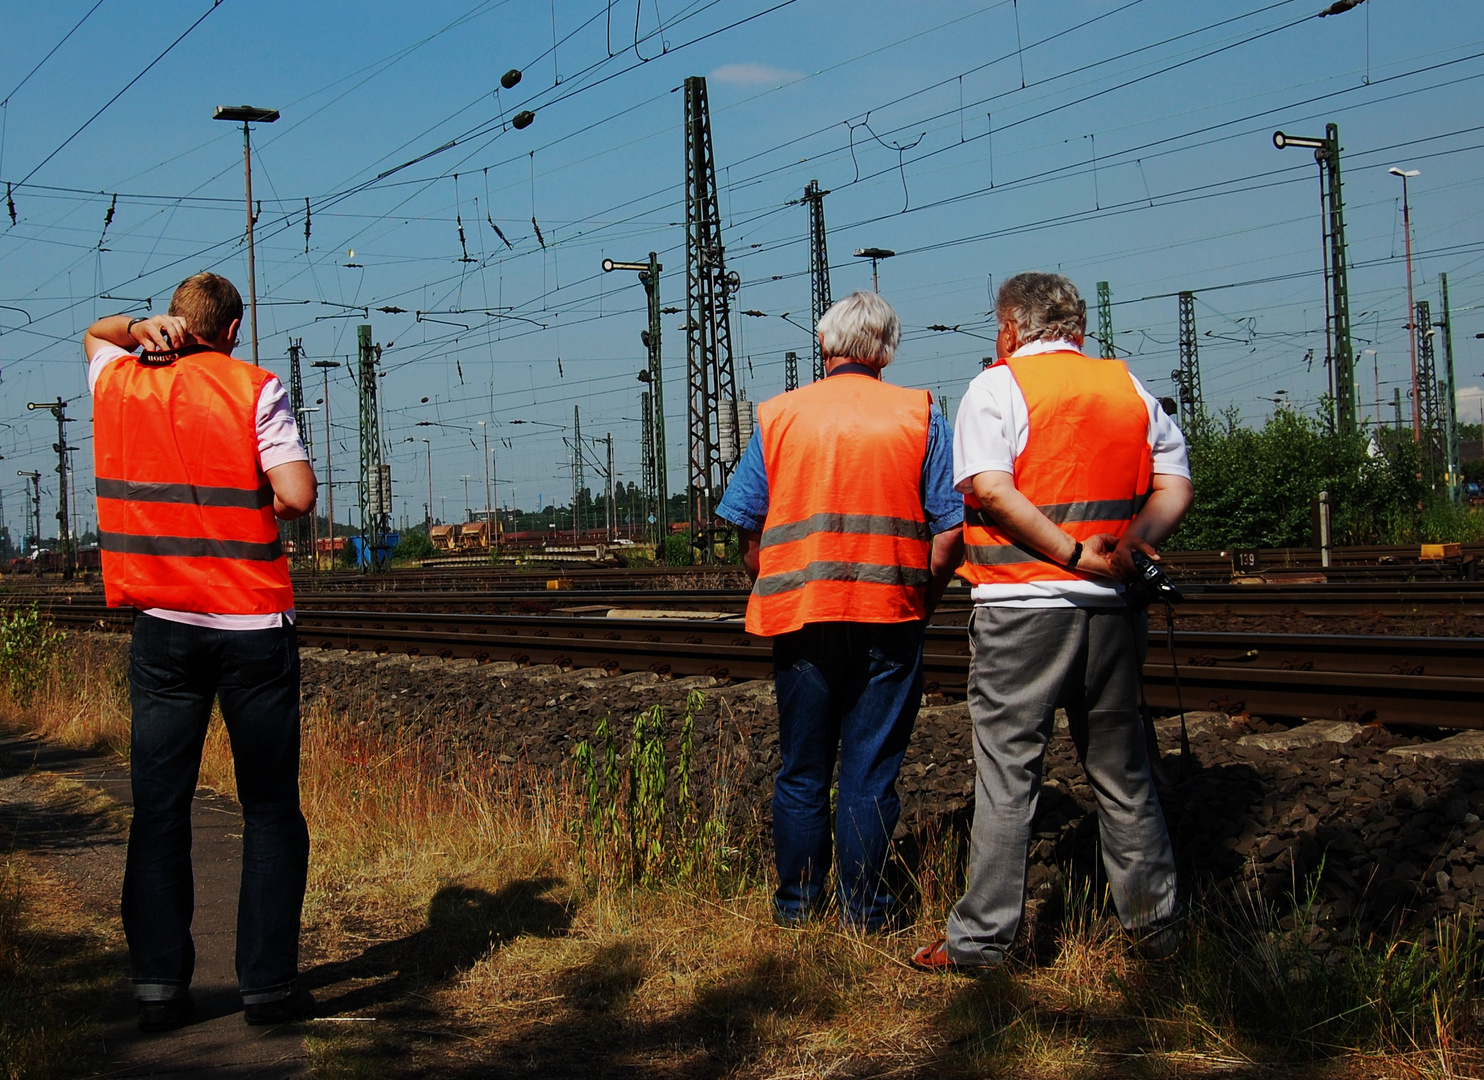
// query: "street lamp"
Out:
[1407,174]
[875,254]
[249,115]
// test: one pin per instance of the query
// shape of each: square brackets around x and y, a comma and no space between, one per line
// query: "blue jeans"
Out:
[851,689]
[175,671]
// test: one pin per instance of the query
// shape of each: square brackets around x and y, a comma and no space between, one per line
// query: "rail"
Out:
[1432,681]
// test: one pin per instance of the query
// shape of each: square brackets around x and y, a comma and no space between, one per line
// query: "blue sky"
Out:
[1118,140]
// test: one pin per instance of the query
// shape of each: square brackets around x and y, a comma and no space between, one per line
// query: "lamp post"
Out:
[250,115]
[875,254]
[1407,174]
[325,366]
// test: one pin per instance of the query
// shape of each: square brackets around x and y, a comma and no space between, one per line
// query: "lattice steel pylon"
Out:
[708,327]
[1430,417]
[1449,391]
[376,496]
[646,453]
[579,480]
[1188,375]
[302,528]
[819,269]
[790,370]
[1105,322]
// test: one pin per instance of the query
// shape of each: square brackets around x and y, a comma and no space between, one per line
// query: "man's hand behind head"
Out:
[161,333]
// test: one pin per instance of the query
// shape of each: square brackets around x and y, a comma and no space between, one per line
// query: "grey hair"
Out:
[861,327]
[1043,307]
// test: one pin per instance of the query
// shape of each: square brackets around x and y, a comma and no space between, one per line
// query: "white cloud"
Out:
[753,75]
[1470,404]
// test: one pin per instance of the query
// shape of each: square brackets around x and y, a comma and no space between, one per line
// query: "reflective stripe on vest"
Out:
[1086,464]
[185,512]
[846,537]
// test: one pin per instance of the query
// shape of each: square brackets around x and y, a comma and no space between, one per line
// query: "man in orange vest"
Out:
[197,458]
[850,530]
[1067,465]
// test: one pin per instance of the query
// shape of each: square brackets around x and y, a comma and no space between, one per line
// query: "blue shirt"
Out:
[745,503]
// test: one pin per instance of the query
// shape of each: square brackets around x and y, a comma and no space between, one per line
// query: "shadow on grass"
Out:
[726,1024]
[463,926]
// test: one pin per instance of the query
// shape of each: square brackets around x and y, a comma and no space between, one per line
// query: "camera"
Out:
[1152,584]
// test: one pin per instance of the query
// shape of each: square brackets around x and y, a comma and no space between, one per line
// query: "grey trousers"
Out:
[1027,662]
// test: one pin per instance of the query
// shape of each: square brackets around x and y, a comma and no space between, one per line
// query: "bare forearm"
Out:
[1161,514]
[750,543]
[947,554]
[294,489]
[156,333]
[110,330]
[1018,516]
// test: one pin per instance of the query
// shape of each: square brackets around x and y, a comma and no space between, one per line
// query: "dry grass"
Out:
[59,958]
[454,906]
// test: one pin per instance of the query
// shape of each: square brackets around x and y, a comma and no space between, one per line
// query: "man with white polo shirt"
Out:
[197,458]
[1067,465]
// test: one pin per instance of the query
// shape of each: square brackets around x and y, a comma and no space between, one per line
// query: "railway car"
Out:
[474,536]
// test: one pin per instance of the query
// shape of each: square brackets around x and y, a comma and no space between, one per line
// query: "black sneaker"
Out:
[297,1005]
[167,1015]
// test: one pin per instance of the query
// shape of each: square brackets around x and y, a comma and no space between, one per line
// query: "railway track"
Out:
[1428,680]
[1418,599]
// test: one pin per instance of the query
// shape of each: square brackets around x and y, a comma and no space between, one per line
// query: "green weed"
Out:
[640,821]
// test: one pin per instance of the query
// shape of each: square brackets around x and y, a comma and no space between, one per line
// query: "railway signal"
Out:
[1339,358]
[656,475]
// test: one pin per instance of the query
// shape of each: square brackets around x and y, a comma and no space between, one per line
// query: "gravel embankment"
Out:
[1396,834]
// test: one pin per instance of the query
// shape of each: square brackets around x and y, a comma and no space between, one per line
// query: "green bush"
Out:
[1256,487]
[28,652]
[678,550]
[413,545]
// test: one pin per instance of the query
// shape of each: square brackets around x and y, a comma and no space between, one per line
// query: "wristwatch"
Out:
[1071,563]
[137,319]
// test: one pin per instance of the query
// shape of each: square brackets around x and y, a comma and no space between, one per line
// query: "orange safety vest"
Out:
[185,512]
[1087,464]
[846,537]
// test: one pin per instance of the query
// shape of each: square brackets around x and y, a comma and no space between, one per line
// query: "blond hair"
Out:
[208,303]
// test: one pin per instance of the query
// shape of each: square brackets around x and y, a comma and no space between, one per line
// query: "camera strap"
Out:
[1151,736]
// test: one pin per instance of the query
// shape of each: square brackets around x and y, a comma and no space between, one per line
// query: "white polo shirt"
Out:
[278,444]
[990,432]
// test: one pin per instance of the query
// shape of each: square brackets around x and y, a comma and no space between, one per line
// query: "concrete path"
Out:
[90,854]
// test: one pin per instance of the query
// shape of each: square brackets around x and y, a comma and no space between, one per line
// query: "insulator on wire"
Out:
[498,233]
[306,226]
[539,238]
[510,78]
[522,120]
[107,221]
[9,202]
